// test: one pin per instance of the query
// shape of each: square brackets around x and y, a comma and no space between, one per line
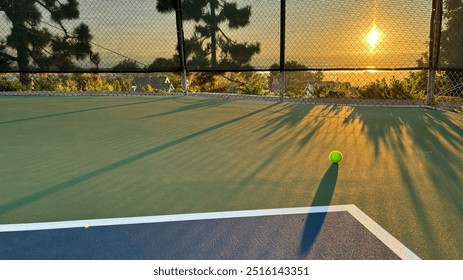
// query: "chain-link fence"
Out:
[376,52]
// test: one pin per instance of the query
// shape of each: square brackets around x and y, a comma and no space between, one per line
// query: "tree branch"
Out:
[225,36]
[7,56]
[231,80]
[51,11]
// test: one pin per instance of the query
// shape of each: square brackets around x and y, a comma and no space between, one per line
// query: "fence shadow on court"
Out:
[84,110]
[31,198]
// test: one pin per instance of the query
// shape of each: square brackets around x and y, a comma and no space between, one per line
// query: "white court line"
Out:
[168,218]
[397,247]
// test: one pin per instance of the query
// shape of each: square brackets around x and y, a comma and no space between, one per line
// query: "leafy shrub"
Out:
[6,85]
[147,88]
[255,87]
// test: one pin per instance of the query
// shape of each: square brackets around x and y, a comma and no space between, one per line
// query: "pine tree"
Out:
[39,38]
[210,47]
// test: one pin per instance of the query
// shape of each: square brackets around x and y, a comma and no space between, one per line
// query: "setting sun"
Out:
[373,37]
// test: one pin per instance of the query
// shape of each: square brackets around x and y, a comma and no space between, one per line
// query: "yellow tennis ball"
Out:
[335,156]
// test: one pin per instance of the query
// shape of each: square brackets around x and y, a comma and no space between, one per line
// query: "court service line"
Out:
[396,246]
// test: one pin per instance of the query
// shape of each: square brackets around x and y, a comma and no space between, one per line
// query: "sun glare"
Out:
[373,37]
[372,69]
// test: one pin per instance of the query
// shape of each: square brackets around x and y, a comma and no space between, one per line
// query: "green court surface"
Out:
[84,157]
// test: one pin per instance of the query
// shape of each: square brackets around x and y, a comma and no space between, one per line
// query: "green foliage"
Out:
[159,90]
[117,85]
[121,83]
[416,83]
[394,89]
[295,81]
[66,85]
[194,88]
[6,85]
[80,82]
[376,90]
[256,87]
[147,88]
[208,82]
[250,83]
[176,81]
[332,90]
[302,84]
[45,82]
[88,82]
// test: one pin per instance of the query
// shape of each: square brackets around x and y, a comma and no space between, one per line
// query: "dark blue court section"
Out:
[334,235]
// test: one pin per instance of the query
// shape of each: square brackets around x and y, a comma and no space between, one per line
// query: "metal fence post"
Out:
[282,48]
[434,49]
[181,44]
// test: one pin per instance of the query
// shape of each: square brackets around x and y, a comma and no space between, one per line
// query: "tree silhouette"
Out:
[32,45]
[451,53]
[127,65]
[210,46]
[161,63]
[452,43]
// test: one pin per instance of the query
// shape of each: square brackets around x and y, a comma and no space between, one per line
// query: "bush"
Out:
[383,89]
[147,88]
[255,87]
[44,84]
[10,85]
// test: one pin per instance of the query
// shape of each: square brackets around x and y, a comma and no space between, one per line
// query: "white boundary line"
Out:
[397,247]
[168,218]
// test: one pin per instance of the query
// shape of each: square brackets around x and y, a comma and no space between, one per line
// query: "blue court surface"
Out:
[335,232]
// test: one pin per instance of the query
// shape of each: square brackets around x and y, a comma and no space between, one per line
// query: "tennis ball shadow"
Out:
[314,221]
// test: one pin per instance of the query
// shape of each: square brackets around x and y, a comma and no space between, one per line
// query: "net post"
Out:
[434,49]
[430,87]
[282,85]
[282,48]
